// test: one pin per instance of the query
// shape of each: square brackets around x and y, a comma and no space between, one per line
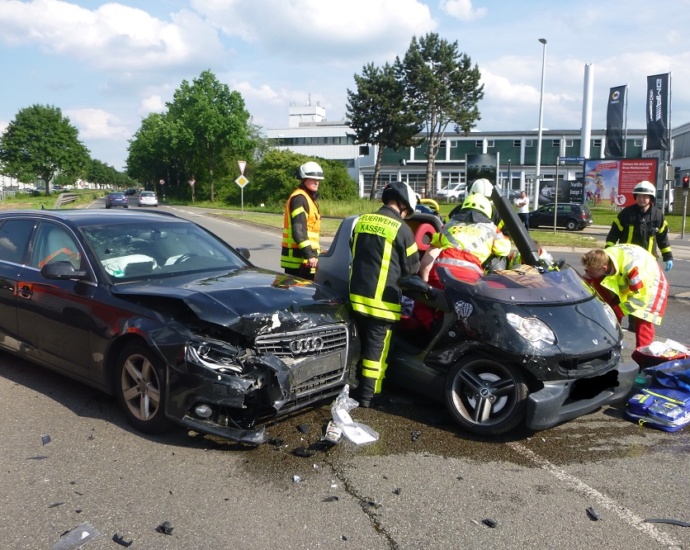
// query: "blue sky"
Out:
[108,65]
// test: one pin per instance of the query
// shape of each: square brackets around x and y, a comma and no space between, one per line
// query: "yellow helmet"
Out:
[478,202]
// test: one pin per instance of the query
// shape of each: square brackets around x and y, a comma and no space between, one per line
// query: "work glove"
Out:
[669,265]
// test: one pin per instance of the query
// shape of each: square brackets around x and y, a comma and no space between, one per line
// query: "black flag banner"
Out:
[658,111]
[615,122]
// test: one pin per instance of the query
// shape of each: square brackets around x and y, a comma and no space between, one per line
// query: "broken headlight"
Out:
[531,329]
[214,356]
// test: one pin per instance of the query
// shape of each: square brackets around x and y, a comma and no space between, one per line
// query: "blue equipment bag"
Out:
[665,403]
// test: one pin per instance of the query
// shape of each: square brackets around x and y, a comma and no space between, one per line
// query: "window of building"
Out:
[569,143]
[517,143]
[363,150]
[556,143]
[479,143]
[596,143]
[637,142]
[490,143]
[529,143]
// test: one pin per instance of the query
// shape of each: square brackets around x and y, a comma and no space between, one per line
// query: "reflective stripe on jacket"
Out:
[479,239]
[301,227]
[638,282]
[383,250]
[644,229]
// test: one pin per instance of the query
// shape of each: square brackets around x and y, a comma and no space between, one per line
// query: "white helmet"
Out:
[401,192]
[483,187]
[645,188]
[310,170]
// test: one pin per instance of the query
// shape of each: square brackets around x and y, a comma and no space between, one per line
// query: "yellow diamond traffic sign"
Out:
[241,181]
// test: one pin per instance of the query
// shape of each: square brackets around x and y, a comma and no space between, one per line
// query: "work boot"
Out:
[365,392]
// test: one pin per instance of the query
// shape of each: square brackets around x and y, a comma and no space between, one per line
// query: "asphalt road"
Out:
[424,484]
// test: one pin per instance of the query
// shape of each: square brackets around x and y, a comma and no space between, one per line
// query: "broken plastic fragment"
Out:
[304,428]
[303,452]
[165,528]
[490,522]
[331,498]
[56,504]
[296,478]
[121,540]
[415,435]
[677,522]
[397,491]
[70,540]
[592,514]
[45,439]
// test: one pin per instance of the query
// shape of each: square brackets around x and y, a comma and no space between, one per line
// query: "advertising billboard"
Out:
[610,182]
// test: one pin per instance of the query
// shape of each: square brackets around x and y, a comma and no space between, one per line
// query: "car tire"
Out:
[140,389]
[571,225]
[107,206]
[486,397]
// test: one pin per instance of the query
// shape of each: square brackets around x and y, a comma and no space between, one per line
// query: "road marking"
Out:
[601,499]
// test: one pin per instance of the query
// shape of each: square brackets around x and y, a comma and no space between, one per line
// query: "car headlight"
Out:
[531,329]
[611,315]
[213,356]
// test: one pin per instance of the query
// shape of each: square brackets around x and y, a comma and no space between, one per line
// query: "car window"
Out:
[158,250]
[54,243]
[14,239]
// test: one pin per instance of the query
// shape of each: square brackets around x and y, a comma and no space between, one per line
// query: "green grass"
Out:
[27,202]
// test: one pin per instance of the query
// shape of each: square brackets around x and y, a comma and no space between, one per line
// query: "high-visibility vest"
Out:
[291,256]
[638,282]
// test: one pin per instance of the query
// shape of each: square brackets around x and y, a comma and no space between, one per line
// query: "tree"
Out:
[380,114]
[443,88]
[40,142]
[274,178]
[213,127]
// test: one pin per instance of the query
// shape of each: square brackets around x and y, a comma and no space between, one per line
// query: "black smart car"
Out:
[572,216]
[169,318]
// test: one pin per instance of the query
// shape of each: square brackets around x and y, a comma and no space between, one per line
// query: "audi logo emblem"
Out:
[306,345]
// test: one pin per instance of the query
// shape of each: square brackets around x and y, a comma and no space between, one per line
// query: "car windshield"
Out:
[523,286]
[130,251]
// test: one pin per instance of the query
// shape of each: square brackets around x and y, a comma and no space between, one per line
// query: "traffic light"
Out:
[686,181]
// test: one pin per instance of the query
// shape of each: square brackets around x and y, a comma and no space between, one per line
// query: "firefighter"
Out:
[630,280]
[383,249]
[643,224]
[301,225]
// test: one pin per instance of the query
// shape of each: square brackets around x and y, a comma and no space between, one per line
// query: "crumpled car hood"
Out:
[252,301]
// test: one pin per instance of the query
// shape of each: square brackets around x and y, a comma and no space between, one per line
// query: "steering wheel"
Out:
[185,257]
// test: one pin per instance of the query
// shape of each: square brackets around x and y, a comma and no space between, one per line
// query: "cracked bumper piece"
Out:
[557,401]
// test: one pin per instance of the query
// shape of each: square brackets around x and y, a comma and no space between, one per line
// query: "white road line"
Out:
[601,499]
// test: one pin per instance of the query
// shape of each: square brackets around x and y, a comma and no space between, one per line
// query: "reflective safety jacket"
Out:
[383,250]
[638,282]
[465,243]
[644,229]
[301,227]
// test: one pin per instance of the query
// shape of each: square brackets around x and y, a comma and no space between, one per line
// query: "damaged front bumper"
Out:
[231,399]
[557,402]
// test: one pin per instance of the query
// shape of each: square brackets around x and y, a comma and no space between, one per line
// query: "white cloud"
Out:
[152,104]
[98,124]
[462,9]
[113,36]
[332,30]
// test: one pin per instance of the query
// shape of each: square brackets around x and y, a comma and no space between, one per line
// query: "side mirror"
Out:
[61,271]
[244,252]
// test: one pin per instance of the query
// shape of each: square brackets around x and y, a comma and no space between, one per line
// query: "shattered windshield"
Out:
[164,248]
[524,285]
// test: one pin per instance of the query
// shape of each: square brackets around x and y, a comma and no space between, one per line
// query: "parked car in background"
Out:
[170,319]
[572,216]
[131,192]
[147,198]
[116,199]
[454,192]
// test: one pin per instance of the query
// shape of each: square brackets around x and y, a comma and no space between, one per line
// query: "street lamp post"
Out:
[541,120]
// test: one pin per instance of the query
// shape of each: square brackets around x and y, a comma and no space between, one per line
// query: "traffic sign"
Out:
[241,181]
[242,164]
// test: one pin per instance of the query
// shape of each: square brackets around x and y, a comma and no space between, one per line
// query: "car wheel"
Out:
[571,225]
[140,389]
[107,206]
[486,397]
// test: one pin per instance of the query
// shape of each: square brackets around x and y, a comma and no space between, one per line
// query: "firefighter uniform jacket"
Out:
[301,227]
[632,225]
[639,283]
[383,250]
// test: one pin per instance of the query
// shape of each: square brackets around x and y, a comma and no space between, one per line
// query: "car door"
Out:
[54,316]
[14,243]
